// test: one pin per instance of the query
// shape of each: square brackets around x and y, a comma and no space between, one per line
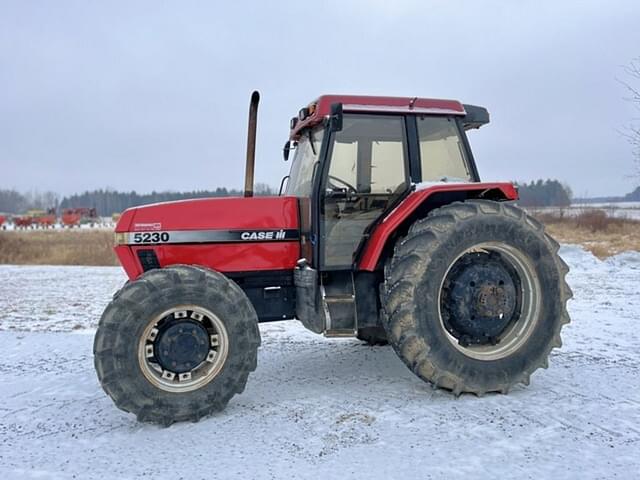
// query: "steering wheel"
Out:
[350,188]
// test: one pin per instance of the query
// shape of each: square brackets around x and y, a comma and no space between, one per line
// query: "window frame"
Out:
[314,166]
[321,180]
[417,156]
[405,146]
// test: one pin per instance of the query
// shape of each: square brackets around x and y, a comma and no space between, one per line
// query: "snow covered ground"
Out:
[105,223]
[628,210]
[322,408]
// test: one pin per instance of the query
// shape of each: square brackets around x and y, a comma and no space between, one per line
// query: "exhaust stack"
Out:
[251,144]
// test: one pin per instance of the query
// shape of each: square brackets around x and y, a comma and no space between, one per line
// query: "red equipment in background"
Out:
[73,217]
[45,220]
[36,219]
[2,219]
[25,221]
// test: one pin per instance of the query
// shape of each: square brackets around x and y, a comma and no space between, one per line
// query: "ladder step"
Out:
[340,299]
[344,333]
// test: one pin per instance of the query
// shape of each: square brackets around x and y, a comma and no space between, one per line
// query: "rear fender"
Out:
[417,205]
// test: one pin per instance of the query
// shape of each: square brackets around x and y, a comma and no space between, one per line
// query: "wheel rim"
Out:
[183,348]
[489,301]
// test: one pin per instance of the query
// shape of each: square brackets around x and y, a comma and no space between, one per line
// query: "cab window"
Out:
[368,154]
[442,153]
[303,164]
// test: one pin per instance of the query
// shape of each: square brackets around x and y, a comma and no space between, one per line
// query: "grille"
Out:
[148,260]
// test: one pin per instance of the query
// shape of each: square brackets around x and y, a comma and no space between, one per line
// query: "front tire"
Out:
[475,297]
[176,344]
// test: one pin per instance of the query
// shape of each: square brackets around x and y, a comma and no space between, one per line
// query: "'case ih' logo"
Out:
[266,235]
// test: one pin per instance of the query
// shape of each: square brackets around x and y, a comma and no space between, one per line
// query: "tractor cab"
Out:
[356,157]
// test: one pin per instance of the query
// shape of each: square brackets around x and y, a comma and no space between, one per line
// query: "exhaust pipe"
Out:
[251,144]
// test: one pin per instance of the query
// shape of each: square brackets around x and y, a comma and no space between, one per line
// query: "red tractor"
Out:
[383,232]
[74,217]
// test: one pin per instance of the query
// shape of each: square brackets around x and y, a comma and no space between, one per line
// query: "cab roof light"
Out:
[307,111]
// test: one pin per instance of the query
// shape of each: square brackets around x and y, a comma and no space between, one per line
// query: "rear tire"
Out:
[176,344]
[475,297]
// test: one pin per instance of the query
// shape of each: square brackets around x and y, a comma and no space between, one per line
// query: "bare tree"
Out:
[632,132]
[264,189]
[37,200]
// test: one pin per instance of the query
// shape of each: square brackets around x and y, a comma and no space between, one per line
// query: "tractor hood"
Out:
[224,234]
[211,220]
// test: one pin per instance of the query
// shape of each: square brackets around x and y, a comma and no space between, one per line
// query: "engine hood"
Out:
[211,214]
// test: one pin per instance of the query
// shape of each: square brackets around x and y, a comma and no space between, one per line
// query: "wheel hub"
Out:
[481,298]
[183,348]
[181,345]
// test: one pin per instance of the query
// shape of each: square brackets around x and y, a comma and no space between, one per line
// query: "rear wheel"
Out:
[475,297]
[176,344]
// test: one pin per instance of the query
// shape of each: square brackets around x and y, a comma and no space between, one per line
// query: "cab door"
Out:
[366,170]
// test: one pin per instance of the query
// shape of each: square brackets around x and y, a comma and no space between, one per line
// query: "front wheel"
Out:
[176,344]
[475,297]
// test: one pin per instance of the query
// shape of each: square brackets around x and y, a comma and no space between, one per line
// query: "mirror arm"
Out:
[285,178]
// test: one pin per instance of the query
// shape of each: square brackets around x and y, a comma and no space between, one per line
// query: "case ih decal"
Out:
[212,236]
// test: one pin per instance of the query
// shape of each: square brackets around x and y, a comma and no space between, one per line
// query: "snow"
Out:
[55,299]
[103,223]
[322,408]
[444,181]
[627,210]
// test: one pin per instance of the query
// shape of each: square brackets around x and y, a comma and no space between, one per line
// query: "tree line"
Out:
[106,201]
[544,193]
[538,193]
[12,201]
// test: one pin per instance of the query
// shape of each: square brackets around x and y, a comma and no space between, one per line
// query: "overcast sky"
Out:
[154,95]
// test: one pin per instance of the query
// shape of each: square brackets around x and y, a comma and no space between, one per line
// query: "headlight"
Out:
[120,238]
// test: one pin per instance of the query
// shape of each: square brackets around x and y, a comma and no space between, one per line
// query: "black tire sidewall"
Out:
[465,235]
[135,310]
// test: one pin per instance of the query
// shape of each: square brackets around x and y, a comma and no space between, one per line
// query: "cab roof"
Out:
[317,110]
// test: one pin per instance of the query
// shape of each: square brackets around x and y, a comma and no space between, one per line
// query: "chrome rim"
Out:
[183,348]
[523,309]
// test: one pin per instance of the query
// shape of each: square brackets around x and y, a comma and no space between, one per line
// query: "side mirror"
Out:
[286,150]
[335,119]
